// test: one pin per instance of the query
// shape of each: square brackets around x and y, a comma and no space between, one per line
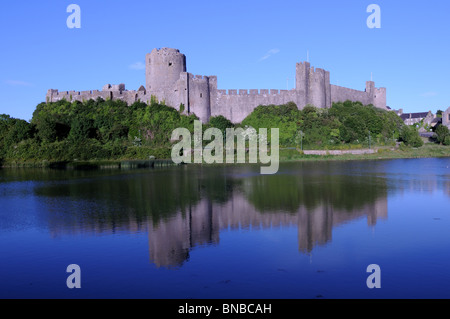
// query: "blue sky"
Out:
[247,44]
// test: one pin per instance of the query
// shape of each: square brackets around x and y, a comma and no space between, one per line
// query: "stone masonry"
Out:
[168,81]
[446,117]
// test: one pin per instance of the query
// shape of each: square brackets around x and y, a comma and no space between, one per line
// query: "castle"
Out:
[168,81]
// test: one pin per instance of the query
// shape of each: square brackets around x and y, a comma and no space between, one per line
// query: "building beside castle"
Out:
[446,117]
[167,80]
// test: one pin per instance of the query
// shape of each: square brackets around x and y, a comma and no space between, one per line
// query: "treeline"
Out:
[344,125]
[67,131]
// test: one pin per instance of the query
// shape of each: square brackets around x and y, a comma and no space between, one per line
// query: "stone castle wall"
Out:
[168,81]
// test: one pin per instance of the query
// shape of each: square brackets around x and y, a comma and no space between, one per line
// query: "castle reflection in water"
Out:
[183,208]
[171,241]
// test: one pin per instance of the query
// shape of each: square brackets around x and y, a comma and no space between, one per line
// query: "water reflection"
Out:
[185,207]
[171,241]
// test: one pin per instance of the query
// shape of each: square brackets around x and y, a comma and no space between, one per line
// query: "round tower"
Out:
[163,68]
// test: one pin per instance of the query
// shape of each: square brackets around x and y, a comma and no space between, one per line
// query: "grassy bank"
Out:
[286,155]
[91,164]
[426,151]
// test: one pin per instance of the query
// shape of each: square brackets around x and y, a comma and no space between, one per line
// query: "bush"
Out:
[442,133]
[446,140]
[145,152]
[410,136]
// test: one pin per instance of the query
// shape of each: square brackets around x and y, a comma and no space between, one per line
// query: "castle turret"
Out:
[163,69]
[377,95]
[319,88]
[199,97]
[313,85]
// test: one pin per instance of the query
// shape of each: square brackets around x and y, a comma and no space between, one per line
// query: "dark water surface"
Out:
[309,231]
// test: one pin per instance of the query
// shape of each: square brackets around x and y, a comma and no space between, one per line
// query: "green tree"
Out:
[13,131]
[220,122]
[50,128]
[81,128]
[284,117]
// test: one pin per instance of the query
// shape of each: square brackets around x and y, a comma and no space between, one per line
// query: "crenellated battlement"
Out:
[129,96]
[199,77]
[262,92]
[307,65]
[165,51]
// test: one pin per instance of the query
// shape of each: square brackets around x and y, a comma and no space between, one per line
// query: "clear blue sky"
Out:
[247,44]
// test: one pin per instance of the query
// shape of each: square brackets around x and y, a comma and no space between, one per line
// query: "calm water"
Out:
[309,231]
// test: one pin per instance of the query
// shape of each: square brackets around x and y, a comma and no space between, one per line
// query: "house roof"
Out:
[406,116]
[437,120]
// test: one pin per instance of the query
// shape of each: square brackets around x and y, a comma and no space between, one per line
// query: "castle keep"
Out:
[167,80]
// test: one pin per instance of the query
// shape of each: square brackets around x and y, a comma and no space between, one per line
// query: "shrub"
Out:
[442,132]
[410,136]
[446,140]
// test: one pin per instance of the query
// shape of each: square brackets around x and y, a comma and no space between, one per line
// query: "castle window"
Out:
[201,94]
[170,63]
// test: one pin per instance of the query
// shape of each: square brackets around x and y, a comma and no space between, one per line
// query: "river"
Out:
[225,231]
